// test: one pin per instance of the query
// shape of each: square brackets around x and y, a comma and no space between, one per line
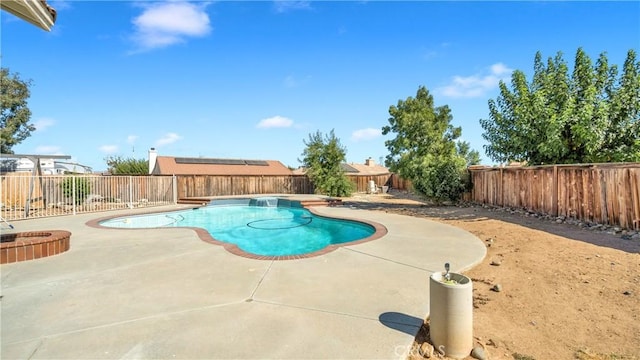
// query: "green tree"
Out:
[118,165]
[14,112]
[322,158]
[425,150]
[562,117]
[471,157]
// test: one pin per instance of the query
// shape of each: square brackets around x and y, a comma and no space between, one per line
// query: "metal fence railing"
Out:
[23,195]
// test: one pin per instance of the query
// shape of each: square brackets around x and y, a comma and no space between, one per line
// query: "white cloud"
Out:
[430,54]
[365,134]
[285,6]
[434,52]
[109,149]
[500,69]
[167,139]
[43,123]
[60,4]
[290,82]
[275,122]
[131,139]
[478,84]
[164,24]
[48,150]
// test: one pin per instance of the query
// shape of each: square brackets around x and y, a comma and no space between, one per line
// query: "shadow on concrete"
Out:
[401,322]
[478,213]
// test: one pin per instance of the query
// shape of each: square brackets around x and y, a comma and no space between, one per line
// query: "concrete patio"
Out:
[164,293]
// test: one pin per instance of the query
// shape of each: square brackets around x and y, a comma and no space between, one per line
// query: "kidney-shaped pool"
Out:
[261,228]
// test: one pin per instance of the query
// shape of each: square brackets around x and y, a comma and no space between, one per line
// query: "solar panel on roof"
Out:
[211,161]
[228,162]
[257,162]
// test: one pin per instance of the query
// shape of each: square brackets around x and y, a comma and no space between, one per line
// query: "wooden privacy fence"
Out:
[361,182]
[223,185]
[398,183]
[600,193]
[23,195]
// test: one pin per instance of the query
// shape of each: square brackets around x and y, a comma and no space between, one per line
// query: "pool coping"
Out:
[379,231]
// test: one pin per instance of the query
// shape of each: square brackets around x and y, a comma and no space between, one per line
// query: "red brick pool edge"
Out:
[25,246]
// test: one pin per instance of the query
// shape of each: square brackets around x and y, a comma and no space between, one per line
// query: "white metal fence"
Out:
[23,195]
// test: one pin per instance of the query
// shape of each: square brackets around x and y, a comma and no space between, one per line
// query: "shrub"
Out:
[82,188]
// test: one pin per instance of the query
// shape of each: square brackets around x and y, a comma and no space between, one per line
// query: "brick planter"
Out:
[33,245]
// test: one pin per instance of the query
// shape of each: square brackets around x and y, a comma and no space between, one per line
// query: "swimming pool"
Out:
[265,230]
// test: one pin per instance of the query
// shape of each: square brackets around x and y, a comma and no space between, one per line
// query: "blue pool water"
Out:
[260,230]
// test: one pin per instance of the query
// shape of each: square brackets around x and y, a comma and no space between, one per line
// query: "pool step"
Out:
[194,201]
[321,202]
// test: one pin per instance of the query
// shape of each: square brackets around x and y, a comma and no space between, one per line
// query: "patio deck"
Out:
[164,293]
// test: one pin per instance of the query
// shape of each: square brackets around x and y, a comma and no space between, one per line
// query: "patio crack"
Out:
[33,353]
[325,311]
[387,259]
[266,272]
[160,315]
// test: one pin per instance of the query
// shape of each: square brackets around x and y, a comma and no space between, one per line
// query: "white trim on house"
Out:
[49,164]
[36,12]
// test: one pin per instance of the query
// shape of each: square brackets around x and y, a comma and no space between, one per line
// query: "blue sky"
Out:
[238,79]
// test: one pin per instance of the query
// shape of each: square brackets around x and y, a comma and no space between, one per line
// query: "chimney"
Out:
[153,156]
[370,162]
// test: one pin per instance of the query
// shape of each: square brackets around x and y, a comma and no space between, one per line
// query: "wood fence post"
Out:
[554,192]
[174,188]
[501,188]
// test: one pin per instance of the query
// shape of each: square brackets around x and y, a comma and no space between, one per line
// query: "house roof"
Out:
[348,168]
[372,169]
[169,165]
[354,169]
[37,12]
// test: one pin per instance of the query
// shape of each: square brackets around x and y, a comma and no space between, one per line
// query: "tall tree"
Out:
[118,165]
[425,150]
[322,158]
[471,157]
[14,111]
[623,144]
[587,115]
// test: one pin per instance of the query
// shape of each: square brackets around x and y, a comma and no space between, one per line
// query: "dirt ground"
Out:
[566,292]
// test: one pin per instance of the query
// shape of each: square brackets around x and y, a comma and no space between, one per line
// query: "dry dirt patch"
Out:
[567,292]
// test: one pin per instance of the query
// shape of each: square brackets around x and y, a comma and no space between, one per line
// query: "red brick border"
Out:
[380,231]
[24,246]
